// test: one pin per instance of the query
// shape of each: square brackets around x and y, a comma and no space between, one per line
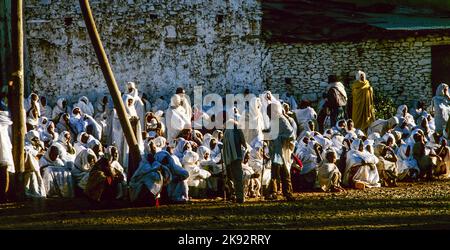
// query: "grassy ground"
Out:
[419,205]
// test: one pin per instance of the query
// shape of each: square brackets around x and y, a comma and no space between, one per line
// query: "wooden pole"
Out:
[16,93]
[134,155]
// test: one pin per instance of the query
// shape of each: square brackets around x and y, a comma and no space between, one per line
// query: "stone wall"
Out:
[401,68]
[160,45]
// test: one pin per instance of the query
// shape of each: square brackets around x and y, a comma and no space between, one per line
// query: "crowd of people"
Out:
[79,149]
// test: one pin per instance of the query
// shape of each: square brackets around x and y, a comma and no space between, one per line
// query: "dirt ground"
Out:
[421,205]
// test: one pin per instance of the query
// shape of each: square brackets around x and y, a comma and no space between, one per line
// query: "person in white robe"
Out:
[65,125]
[57,177]
[85,106]
[6,158]
[68,150]
[136,125]
[308,152]
[304,114]
[360,171]
[328,175]
[93,127]
[251,122]
[197,175]
[216,170]
[176,120]
[76,121]
[43,120]
[101,116]
[46,110]
[60,108]
[441,107]
[402,112]
[49,135]
[34,150]
[266,99]
[407,165]
[185,102]
[112,154]
[32,102]
[161,172]
[82,142]
[138,104]
[84,162]
[32,119]
[383,126]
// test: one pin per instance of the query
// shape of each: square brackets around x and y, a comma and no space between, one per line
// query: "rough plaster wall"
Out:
[401,68]
[160,45]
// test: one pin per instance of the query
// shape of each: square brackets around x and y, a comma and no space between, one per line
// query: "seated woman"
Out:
[82,142]
[34,150]
[328,174]
[182,146]
[153,124]
[65,125]
[252,183]
[49,135]
[387,164]
[360,171]
[66,146]
[159,177]
[84,162]
[442,159]
[307,152]
[197,176]
[407,165]
[341,128]
[382,126]
[423,156]
[96,146]
[216,179]
[402,112]
[104,182]
[57,177]
[43,121]
[32,121]
[112,154]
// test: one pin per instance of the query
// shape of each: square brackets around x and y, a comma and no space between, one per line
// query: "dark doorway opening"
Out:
[440,65]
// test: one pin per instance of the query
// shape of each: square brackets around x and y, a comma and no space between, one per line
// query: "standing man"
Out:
[281,147]
[363,112]
[234,146]
[336,99]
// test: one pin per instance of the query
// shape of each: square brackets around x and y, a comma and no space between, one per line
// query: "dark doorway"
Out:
[440,65]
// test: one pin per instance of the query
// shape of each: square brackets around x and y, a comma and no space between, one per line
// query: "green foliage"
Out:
[384,105]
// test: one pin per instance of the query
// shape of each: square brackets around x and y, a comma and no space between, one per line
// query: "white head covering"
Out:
[129,108]
[358,75]
[440,89]
[82,162]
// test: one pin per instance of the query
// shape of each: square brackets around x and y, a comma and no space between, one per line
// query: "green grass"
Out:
[410,206]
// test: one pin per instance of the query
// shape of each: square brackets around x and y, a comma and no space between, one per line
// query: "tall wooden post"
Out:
[135,156]
[16,95]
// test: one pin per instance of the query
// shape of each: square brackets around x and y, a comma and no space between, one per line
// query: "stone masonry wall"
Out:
[160,45]
[401,68]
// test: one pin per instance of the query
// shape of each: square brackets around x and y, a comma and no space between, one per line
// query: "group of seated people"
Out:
[82,151]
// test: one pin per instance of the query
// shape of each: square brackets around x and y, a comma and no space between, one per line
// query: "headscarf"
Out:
[131,111]
[340,87]
[440,90]
[82,162]
[179,149]
[202,150]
